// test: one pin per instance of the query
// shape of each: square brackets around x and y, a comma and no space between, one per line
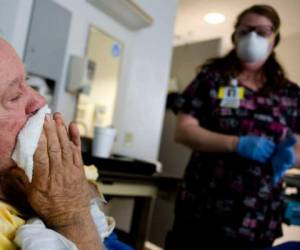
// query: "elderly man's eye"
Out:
[15,98]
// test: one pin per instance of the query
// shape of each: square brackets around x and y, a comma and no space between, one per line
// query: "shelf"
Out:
[128,189]
[126,12]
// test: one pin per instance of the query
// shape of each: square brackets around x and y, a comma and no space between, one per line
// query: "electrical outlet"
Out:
[128,139]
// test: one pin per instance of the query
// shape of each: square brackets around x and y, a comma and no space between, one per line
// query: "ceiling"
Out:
[190,26]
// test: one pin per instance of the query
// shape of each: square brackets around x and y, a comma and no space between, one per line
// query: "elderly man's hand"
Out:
[59,190]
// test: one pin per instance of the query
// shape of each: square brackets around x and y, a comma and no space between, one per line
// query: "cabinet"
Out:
[47,40]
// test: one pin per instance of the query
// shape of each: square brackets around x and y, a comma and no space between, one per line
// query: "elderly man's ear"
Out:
[13,184]
[17,177]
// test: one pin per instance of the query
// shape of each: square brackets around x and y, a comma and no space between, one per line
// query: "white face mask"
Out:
[252,48]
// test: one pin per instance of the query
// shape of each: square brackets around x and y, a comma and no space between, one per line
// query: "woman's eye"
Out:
[243,32]
[262,33]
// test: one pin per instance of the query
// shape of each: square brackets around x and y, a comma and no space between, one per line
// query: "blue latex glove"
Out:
[284,158]
[255,147]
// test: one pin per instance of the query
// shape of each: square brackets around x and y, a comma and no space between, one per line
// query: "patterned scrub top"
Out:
[236,192]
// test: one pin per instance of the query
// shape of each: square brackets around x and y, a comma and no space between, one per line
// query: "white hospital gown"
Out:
[35,236]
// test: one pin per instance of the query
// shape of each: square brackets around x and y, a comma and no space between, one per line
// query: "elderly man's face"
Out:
[17,102]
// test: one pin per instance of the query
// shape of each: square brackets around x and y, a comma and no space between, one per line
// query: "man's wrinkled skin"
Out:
[65,178]
[17,101]
[59,192]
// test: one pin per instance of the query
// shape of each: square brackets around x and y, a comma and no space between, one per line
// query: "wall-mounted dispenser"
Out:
[80,74]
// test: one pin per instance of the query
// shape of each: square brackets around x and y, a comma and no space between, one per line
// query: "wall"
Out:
[147,82]
[144,71]
[174,157]
[14,21]
[288,53]
[187,58]
[8,15]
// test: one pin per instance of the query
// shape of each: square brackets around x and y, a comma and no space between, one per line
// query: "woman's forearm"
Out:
[199,138]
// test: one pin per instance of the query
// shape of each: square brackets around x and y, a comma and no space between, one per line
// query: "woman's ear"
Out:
[277,40]
[233,38]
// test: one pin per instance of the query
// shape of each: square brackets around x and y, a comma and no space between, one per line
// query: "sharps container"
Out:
[103,141]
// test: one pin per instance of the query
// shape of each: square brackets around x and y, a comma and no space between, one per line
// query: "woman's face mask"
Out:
[252,48]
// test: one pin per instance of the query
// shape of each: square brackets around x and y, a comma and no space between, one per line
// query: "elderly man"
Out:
[59,193]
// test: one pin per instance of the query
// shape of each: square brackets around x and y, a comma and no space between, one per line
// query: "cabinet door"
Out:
[47,39]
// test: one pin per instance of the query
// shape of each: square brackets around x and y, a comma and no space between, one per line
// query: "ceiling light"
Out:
[214,18]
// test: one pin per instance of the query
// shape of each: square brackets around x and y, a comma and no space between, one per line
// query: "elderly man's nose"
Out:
[35,102]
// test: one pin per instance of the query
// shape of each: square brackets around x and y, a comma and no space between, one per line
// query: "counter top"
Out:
[116,169]
[120,164]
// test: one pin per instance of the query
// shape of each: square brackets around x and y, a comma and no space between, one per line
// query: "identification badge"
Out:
[231,96]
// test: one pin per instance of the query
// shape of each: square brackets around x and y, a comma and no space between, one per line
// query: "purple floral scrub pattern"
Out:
[252,208]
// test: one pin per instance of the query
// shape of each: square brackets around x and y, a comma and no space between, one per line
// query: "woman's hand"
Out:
[284,158]
[256,148]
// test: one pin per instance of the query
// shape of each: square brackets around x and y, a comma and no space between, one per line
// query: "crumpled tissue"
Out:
[27,141]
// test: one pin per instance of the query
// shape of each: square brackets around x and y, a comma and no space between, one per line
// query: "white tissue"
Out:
[27,141]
